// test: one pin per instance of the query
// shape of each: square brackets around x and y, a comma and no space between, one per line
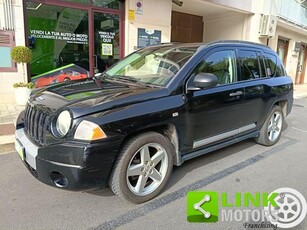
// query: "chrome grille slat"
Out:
[36,123]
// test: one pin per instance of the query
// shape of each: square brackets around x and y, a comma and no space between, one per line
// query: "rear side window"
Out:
[249,65]
[274,68]
[270,62]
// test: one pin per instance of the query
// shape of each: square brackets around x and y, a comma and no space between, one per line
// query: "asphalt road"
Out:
[26,203]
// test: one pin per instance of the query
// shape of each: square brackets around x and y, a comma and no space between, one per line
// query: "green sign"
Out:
[202,207]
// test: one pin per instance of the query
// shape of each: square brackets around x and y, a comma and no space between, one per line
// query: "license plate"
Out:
[20,150]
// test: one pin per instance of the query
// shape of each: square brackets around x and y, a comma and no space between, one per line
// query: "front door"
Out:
[301,66]
[215,114]
[106,40]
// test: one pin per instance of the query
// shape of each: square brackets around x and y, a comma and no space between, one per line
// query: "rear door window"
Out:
[249,65]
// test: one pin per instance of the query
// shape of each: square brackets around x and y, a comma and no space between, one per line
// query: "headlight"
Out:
[63,123]
[89,131]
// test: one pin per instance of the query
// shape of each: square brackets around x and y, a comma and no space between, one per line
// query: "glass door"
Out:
[106,47]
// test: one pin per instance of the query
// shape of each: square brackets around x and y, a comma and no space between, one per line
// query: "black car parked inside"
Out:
[158,107]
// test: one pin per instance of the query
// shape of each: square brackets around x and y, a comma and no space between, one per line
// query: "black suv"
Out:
[158,107]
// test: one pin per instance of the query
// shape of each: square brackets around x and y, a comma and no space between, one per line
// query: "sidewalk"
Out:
[9,113]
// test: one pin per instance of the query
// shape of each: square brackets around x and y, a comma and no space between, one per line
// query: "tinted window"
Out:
[221,64]
[270,61]
[280,71]
[249,66]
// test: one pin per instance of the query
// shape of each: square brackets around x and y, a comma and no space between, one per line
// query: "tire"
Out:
[66,79]
[271,130]
[150,159]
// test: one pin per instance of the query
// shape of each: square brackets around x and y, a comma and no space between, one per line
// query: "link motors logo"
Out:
[283,208]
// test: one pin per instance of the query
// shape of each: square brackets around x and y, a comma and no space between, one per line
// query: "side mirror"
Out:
[204,81]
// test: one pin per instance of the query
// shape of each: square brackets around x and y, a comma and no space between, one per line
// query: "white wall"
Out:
[230,28]
[156,15]
[7,79]
[292,57]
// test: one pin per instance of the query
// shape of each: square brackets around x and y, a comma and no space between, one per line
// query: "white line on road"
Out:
[304,131]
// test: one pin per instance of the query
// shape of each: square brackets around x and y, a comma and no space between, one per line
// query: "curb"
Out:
[300,96]
[7,139]
[7,148]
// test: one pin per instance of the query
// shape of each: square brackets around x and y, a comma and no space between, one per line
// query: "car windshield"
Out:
[151,66]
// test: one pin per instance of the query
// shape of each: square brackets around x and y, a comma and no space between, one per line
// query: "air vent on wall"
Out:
[4,39]
[268,25]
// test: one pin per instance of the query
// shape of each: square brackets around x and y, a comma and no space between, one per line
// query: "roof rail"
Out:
[239,42]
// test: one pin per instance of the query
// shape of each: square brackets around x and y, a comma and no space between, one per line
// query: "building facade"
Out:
[76,38]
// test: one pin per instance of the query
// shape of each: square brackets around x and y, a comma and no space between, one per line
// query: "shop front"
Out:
[73,39]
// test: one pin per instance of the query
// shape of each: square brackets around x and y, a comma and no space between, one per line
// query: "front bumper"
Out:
[73,166]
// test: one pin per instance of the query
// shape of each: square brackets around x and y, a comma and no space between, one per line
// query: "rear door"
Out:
[252,75]
[215,114]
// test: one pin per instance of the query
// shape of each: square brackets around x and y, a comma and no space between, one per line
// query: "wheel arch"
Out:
[167,130]
[283,104]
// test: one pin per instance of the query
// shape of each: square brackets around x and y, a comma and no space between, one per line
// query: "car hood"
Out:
[85,97]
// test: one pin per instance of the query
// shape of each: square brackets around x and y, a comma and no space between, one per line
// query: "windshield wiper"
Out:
[133,80]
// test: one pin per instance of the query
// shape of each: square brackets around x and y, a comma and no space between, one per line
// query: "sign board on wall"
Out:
[131,15]
[148,37]
[139,7]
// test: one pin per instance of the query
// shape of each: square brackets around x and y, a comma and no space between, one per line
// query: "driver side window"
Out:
[221,64]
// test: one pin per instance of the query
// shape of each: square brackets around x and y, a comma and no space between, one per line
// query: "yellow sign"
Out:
[131,15]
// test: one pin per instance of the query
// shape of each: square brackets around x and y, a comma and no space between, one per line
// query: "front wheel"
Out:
[270,132]
[142,168]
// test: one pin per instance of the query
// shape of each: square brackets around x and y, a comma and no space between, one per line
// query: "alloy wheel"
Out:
[275,125]
[147,169]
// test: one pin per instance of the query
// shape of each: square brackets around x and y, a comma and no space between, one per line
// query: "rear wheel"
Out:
[270,132]
[142,168]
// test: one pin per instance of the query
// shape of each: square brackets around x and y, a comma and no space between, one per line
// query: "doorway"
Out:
[301,65]
[106,40]
[186,27]
[282,50]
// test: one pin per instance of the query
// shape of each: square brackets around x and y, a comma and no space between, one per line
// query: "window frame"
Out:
[11,44]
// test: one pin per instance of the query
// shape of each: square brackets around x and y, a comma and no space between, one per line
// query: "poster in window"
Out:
[106,49]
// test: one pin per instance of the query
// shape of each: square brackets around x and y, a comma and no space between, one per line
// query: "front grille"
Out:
[36,122]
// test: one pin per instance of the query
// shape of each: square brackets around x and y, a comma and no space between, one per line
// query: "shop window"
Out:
[7,42]
[78,1]
[107,4]
[58,37]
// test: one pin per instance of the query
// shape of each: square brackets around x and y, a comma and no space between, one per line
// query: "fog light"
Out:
[59,180]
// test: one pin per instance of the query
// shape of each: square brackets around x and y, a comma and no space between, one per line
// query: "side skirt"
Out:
[218,146]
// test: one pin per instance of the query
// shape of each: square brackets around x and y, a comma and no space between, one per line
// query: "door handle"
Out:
[238,93]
